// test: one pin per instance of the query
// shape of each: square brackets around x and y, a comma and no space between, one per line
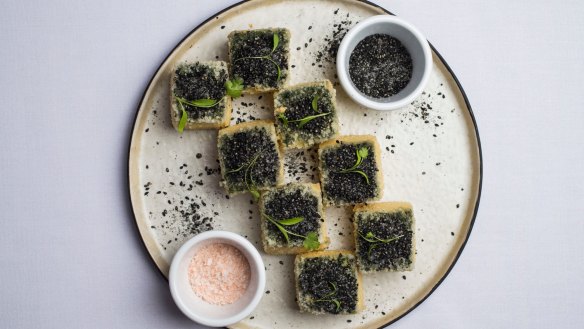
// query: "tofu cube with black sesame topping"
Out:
[306,114]
[249,157]
[384,236]
[292,219]
[350,170]
[198,99]
[260,58]
[327,282]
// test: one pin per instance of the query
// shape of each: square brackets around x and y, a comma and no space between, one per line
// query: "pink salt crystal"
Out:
[219,273]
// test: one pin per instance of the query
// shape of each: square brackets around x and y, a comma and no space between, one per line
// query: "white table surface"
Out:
[72,74]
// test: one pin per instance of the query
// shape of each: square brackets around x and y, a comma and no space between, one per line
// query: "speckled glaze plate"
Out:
[430,153]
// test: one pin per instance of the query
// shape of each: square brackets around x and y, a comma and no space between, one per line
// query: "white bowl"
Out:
[201,311]
[410,37]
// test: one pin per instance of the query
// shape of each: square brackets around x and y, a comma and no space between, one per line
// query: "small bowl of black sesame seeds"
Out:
[384,62]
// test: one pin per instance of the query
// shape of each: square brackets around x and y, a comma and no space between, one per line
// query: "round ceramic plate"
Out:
[430,153]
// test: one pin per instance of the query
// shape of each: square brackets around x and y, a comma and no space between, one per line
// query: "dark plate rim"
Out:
[466,101]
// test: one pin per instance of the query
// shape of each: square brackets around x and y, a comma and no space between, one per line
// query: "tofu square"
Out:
[327,282]
[250,157]
[199,89]
[350,170]
[297,210]
[384,236]
[306,114]
[261,58]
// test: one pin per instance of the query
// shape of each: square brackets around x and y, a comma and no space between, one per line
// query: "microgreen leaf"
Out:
[369,237]
[287,222]
[305,120]
[204,103]
[371,247]
[237,169]
[283,230]
[276,41]
[234,87]
[376,241]
[361,154]
[252,189]
[334,287]
[254,193]
[311,241]
[183,118]
[326,297]
[291,221]
[277,67]
[360,172]
[247,175]
[333,292]
[337,303]
[390,240]
[283,118]
[315,103]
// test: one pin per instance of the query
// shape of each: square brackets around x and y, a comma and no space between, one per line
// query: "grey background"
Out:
[72,74]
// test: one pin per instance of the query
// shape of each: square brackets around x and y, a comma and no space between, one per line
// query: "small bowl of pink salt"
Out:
[217,278]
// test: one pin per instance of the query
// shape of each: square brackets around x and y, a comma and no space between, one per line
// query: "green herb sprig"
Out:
[375,241]
[362,153]
[248,177]
[327,297]
[310,240]
[204,103]
[275,43]
[301,122]
[234,87]
[314,103]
